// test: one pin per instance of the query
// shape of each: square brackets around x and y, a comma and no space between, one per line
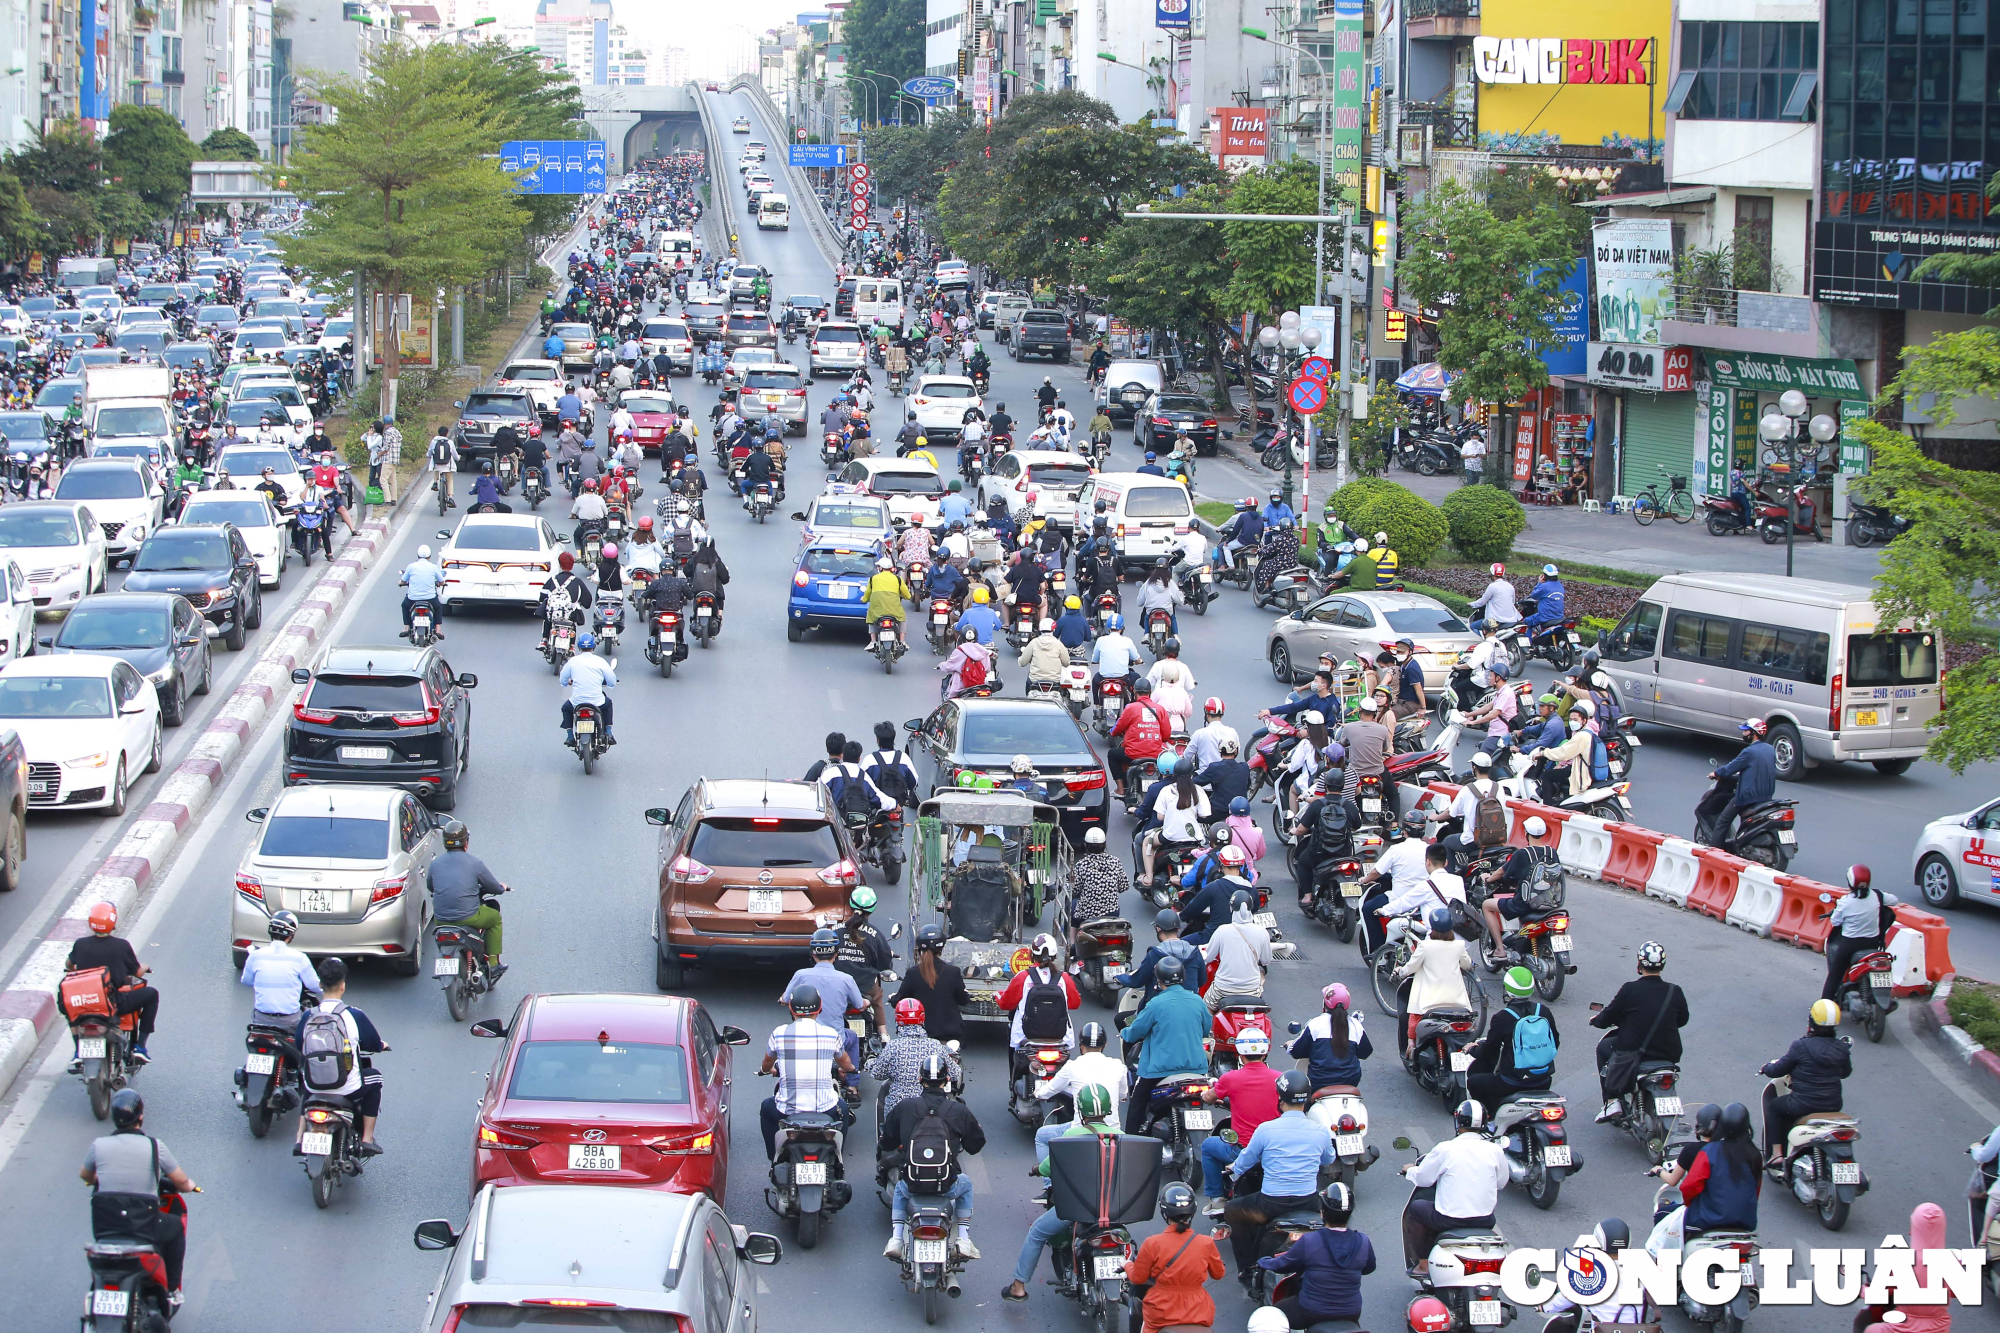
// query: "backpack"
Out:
[852,796]
[440,450]
[683,542]
[927,1154]
[1044,1007]
[973,672]
[1489,817]
[1534,1044]
[1543,889]
[1600,760]
[326,1054]
[1333,830]
[891,777]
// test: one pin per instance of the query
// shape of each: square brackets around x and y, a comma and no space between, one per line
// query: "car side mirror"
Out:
[467,681]
[733,1036]
[301,676]
[192,641]
[659,815]
[761,1247]
[444,534]
[257,816]
[798,518]
[436,1234]
[458,402]
[488,1027]
[134,707]
[914,724]
[49,641]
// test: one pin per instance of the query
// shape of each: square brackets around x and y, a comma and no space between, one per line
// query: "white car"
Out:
[740,361]
[1958,857]
[124,496]
[1044,480]
[245,464]
[278,393]
[542,379]
[90,725]
[911,487]
[837,348]
[265,531]
[741,125]
[14,320]
[940,402]
[665,334]
[336,336]
[498,558]
[60,545]
[845,517]
[17,613]
[954,273]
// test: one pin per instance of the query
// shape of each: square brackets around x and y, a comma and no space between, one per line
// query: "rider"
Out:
[832,983]
[1040,997]
[1093,1116]
[1251,1090]
[1718,1179]
[1291,1149]
[363,1084]
[127,992]
[1240,949]
[899,1064]
[971,659]
[805,1054]
[864,953]
[1518,1052]
[125,1170]
[1645,1017]
[1547,597]
[908,1127]
[422,578]
[1325,829]
[1816,1064]
[1142,729]
[1171,1026]
[886,593]
[1858,924]
[1496,605]
[589,680]
[459,883]
[1330,1263]
[1091,1067]
[276,973]
[1458,1184]
[1755,771]
[1333,1044]
[1172,1267]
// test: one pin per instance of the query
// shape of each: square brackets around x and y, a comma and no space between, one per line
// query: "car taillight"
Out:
[800,578]
[798,393]
[1833,707]
[468,425]
[1208,423]
[843,874]
[503,1140]
[1162,421]
[250,886]
[305,714]
[1121,532]
[675,1147]
[387,889]
[1090,780]
[690,870]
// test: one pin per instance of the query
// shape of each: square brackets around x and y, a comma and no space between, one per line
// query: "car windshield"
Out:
[1177,402]
[573,332]
[112,627]
[187,356]
[248,512]
[18,426]
[143,340]
[109,483]
[1059,474]
[55,696]
[530,373]
[261,339]
[906,483]
[147,420]
[499,537]
[251,412]
[587,1071]
[840,564]
[216,314]
[1042,317]
[367,694]
[274,391]
[636,403]
[59,393]
[657,329]
[1423,620]
[771,379]
[946,389]
[806,302]
[848,516]
[1156,502]
[765,842]
[192,548]
[838,336]
[36,528]
[250,462]
[323,836]
[496,404]
[1036,731]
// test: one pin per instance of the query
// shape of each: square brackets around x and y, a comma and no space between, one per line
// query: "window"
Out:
[1792,654]
[707,1043]
[1699,638]
[1745,71]
[1891,659]
[714,1284]
[585,1071]
[323,837]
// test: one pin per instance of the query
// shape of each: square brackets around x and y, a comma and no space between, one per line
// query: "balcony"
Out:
[1442,18]
[1450,127]
[1740,321]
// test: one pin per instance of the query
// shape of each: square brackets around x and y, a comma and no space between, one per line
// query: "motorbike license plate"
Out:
[1617,767]
[1460,1062]
[1268,920]
[927,1252]
[1574,638]
[1371,805]
[1556,1154]
[90,1048]
[701,612]
[1846,1173]
[1867,717]
[364,752]
[767,902]
[1349,1145]
[1879,980]
[593,1157]
[111,1304]
[316,1144]
[585,726]
[445,967]
[1108,1266]
[1350,888]
[319,900]
[1787,837]
[1483,1312]
[260,1064]
[809,1173]
[1198,1117]
[1666,1106]
[1560,943]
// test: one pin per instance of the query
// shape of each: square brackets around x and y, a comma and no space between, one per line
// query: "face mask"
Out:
[1575,725]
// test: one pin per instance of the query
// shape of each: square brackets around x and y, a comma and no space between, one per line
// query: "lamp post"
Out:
[869,88]
[1110,59]
[1290,342]
[896,91]
[1319,231]
[1780,430]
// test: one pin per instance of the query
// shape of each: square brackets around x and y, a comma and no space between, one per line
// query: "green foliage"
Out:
[19,227]
[1370,440]
[1484,521]
[69,201]
[64,157]
[910,161]
[527,102]
[885,35]
[1536,195]
[149,154]
[1495,283]
[1973,1008]
[1167,275]
[1274,260]
[228,144]
[1356,495]
[1416,529]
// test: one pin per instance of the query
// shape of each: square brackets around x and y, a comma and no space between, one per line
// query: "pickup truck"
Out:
[1041,333]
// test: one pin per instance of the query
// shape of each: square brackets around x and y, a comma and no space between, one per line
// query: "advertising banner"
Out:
[1853,453]
[1711,471]
[1863,264]
[1567,350]
[1624,366]
[1816,377]
[1350,133]
[1242,136]
[1173,15]
[1635,261]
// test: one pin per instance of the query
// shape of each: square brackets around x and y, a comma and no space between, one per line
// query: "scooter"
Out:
[666,646]
[1104,948]
[1763,833]
[1772,519]
[1725,515]
[327,1142]
[1867,989]
[1231,1021]
[460,965]
[1289,590]
[1529,1127]
[423,623]
[808,1181]
[1819,1164]
[1724,1317]
[587,736]
[1556,644]
[1463,1273]
[1175,1114]
[1335,896]
[103,1037]
[1868,524]
[888,644]
[128,1279]
[1339,1108]
[1075,682]
[1038,1062]
[533,489]
[939,630]
[931,1263]
[267,1086]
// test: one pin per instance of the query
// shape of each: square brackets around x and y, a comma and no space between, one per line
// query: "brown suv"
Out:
[748,870]
[748,328]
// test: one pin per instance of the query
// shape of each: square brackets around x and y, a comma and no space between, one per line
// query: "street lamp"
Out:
[1780,430]
[871,88]
[1290,342]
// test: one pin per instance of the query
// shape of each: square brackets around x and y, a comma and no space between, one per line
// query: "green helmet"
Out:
[1093,1102]
[862,899]
[1520,983]
[1550,700]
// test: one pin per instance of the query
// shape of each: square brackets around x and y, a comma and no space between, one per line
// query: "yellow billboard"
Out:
[1581,73]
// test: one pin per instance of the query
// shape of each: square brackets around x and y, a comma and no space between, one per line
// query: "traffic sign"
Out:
[1317,368]
[860,222]
[859,172]
[817,155]
[1307,395]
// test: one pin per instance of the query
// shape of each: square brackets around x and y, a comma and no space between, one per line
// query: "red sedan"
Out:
[607,1089]
[652,417]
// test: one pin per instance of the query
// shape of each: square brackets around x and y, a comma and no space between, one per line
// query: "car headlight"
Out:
[65,570]
[98,760]
[163,675]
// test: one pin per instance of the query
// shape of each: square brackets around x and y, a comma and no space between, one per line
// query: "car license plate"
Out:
[928,1252]
[1198,1117]
[1460,1062]
[1788,837]
[1108,1266]
[1867,717]
[593,1157]
[1666,1106]
[364,752]
[1350,888]
[1349,1145]
[1268,920]
[1447,659]
[767,902]
[847,591]
[1879,980]
[320,900]
[1483,1312]
[46,789]
[260,1064]
[1371,804]
[809,1173]
[1556,1154]
[90,1048]
[111,1304]
[316,1144]
[585,726]
[1847,1173]
[445,967]
[1560,943]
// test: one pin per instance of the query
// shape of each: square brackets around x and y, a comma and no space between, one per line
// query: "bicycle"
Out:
[1679,504]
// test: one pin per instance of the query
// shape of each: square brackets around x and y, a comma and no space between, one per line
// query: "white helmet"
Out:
[1381,539]
[423,553]
[1268,1319]
[1534,827]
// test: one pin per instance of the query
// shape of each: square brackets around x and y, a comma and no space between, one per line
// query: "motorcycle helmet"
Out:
[1093,837]
[1706,1119]
[1294,1087]
[1142,687]
[1498,570]
[1519,982]
[825,943]
[1242,899]
[610,551]
[103,918]
[910,1013]
[645,523]
[1427,1314]
[1268,1319]
[1170,971]
[423,553]
[1048,626]
[1072,604]
[1859,880]
[1093,1102]
[1246,504]
[1735,1121]
[586,641]
[1549,571]
[1753,729]
[1114,622]
[968,635]
[590,484]
[1238,805]
[128,1108]
[1824,1014]
[862,899]
[1439,920]
[1044,949]
[1021,764]
[1093,1037]
[1393,834]
[935,1071]
[1312,717]
[1167,921]
[282,926]
[1177,1204]
[456,835]
[979,595]
[1534,826]
[1336,1201]
[1253,1043]
[1652,955]
[1231,857]
[1149,455]
[930,938]
[1468,1114]
[1219,836]
[803,1001]
[1611,1235]
[1171,648]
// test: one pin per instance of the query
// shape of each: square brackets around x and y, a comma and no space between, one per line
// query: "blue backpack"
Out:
[1600,760]
[1534,1044]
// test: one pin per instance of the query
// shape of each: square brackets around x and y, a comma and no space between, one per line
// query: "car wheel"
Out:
[159,748]
[668,973]
[232,638]
[117,806]
[1790,750]
[1937,882]
[207,668]
[1893,768]
[1281,664]
[174,712]
[13,852]
[794,632]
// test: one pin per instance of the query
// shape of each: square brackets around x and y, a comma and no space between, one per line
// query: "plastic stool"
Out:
[1591,507]
[1621,504]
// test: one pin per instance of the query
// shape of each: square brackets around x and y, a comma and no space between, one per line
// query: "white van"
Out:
[1704,652]
[774,213]
[878,299]
[678,244]
[1148,516]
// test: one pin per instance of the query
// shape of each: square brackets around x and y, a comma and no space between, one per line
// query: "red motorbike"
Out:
[1772,518]
[1231,1022]
[1268,753]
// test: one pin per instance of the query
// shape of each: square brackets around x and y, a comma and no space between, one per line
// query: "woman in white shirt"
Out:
[1435,974]
[1180,808]
[1856,927]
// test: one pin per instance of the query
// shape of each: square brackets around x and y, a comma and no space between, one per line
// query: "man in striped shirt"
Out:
[804,1054]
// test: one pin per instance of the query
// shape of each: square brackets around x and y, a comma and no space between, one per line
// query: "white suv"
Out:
[940,402]
[837,348]
[123,496]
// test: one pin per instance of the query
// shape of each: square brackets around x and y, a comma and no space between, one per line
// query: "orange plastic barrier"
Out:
[1522,810]
[1634,851]
[1937,940]
[1715,885]
[1798,917]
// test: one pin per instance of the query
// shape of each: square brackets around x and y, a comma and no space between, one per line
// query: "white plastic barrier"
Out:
[1585,845]
[1906,946]
[1757,901]
[1674,872]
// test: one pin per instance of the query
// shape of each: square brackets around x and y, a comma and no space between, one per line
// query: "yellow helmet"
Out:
[979,594]
[1825,1014]
[1073,603]
[922,441]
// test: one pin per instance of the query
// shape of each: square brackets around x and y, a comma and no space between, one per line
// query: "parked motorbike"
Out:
[1868,524]
[587,736]
[1772,519]
[1763,833]
[1818,1164]
[1724,516]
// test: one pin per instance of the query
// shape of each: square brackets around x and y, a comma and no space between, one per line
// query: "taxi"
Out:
[844,517]
[1959,856]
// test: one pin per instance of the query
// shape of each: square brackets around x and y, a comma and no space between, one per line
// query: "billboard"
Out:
[1634,258]
[1242,136]
[1569,328]
[1609,66]
[1875,264]
[558,166]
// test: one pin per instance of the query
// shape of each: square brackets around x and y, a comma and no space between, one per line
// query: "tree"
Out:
[1940,572]
[1970,269]
[885,35]
[1170,275]
[528,102]
[20,228]
[228,144]
[150,154]
[405,189]
[911,161]
[63,157]
[1274,260]
[64,222]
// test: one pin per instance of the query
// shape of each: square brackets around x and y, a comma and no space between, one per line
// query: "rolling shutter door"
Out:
[1659,434]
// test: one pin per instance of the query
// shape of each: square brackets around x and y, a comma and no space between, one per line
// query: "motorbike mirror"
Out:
[914,724]
[488,1027]
[732,1036]
[895,930]
[444,534]
[1292,1028]
[1596,1006]
[436,1234]
[257,816]
[1826,897]
[763,1248]
[1402,1143]
[659,814]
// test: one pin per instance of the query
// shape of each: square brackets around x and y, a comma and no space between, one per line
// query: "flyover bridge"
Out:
[636,120]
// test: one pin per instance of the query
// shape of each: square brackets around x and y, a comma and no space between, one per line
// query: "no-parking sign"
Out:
[1307,395]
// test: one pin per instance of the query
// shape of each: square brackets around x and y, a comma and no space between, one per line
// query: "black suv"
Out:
[392,714]
[984,735]
[211,566]
[480,415]
[1042,333]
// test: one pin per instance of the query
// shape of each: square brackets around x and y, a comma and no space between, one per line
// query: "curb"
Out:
[1933,1019]
[28,1005]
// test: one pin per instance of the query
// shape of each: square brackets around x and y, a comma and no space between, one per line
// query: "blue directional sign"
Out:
[817,155]
[558,166]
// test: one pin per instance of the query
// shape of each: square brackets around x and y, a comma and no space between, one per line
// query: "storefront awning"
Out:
[1685,194]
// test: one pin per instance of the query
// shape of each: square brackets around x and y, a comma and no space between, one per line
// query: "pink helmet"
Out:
[1333,996]
[610,551]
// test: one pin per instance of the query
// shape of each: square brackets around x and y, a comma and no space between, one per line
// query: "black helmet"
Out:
[804,1000]
[128,1108]
[825,944]
[456,835]
[1294,1086]
[1142,686]
[1705,1120]
[930,938]
[1242,900]
[1167,919]
[1735,1121]
[486,468]
[282,926]
[935,1071]
[1336,1203]
[1169,971]
[1220,836]
[1093,1037]
[1177,1203]
[1171,648]
[1612,1235]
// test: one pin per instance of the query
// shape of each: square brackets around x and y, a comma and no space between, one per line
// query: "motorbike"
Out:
[1229,1023]
[1241,569]
[1290,590]
[1338,1107]
[1540,941]
[503,472]
[878,841]
[938,627]
[667,646]
[1093,1274]
[460,965]
[1763,833]
[1649,1110]
[1284,1230]
[887,643]
[1529,1127]
[1021,623]
[1104,947]
[1556,644]
[1176,1115]
[103,1037]
[587,736]
[1435,456]
[707,619]
[833,450]
[931,1263]
[327,1141]
[1335,897]
[423,623]
[1437,1057]
[1867,988]
[1729,1316]
[1464,1274]
[309,530]
[1772,519]
[1159,628]
[267,1086]
[1076,682]
[609,614]
[1819,1164]
[1868,524]
[1139,775]
[1197,584]
[1036,1063]
[808,1178]
[561,646]
[1101,611]
[1110,702]
[128,1279]
[1724,516]
[760,502]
